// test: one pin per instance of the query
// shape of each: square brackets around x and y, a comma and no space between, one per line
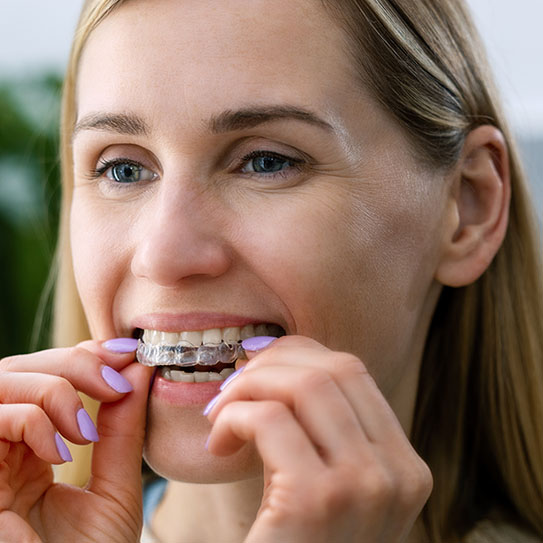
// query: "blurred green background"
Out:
[29,207]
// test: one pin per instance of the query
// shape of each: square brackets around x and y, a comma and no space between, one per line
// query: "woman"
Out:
[335,171]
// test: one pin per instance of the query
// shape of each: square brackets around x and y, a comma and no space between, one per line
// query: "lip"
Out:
[178,322]
[180,394]
[184,394]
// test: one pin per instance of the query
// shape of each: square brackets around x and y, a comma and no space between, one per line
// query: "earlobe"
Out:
[478,210]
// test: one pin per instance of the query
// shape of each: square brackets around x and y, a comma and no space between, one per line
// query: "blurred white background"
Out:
[35,36]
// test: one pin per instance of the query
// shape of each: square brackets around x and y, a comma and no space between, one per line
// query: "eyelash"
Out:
[296,163]
[105,165]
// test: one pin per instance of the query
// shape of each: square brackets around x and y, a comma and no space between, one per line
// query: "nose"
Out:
[178,236]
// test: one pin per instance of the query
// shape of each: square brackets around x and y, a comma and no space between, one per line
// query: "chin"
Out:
[175,448]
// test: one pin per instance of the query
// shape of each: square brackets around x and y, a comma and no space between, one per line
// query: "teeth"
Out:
[179,355]
[177,375]
[231,335]
[213,336]
[168,338]
[206,347]
[194,338]
[247,331]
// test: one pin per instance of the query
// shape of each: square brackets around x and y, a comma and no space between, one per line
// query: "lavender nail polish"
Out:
[115,380]
[257,343]
[86,426]
[121,345]
[210,405]
[62,449]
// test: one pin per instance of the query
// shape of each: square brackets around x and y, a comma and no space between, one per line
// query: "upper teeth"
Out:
[212,336]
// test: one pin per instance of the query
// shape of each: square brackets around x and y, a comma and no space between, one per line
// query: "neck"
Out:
[219,512]
[212,512]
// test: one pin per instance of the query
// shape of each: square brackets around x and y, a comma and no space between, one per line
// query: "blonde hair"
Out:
[478,417]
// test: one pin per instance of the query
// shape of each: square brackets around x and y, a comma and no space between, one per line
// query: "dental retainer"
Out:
[187,354]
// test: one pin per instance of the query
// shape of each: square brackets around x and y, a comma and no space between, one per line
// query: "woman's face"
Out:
[229,169]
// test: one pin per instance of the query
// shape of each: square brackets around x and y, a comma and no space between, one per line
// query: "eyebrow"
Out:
[227,121]
[240,119]
[120,123]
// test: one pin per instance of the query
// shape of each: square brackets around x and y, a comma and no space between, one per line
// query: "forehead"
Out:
[177,54]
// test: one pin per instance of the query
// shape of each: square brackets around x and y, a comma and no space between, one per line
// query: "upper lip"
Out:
[179,322]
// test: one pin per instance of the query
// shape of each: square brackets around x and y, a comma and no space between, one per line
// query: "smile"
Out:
[198,356]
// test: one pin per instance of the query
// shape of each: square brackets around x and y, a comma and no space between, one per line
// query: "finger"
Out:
[256,345]
[117,352]
[279,438]
[116,461]
[56,396]
[15,530]
[28,423]
[88,372]
[352,377]
[312,395]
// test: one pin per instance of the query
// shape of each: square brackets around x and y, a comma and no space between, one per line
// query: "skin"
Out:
[205,238]
[350,251]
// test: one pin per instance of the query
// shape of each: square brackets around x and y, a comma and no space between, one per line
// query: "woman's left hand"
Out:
[337,463]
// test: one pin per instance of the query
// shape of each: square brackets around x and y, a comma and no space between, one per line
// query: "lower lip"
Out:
[185,394]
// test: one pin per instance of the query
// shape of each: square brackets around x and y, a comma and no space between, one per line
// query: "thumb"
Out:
[116,459]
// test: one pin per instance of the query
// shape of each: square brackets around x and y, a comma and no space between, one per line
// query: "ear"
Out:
[478,209]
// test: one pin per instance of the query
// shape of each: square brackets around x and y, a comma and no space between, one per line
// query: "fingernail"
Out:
[257,343]
[86,426]
[210,405]
[230,378]
[115,380]
[121,345]
[62,449]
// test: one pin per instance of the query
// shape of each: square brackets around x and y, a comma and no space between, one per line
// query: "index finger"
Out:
[351,376]
[89,367]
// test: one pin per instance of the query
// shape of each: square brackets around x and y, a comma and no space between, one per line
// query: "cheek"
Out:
[97,254]
[353,269]
[395,250]
[294,246]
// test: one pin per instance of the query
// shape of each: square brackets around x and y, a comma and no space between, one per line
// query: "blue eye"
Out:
[126,173]
[267,162]
[123,171]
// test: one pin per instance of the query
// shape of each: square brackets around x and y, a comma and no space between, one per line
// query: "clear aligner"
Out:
[188,355]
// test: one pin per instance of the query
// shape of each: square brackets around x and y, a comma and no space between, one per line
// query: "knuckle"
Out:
[421,487]
[414,494]
[339,490]
[76,351]
[346,364]
[54,387]
[272,411]
[315,378]
[378,487]
[34,414]
[8,363]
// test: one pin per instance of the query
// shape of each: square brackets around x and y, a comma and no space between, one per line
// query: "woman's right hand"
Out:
[38,398]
